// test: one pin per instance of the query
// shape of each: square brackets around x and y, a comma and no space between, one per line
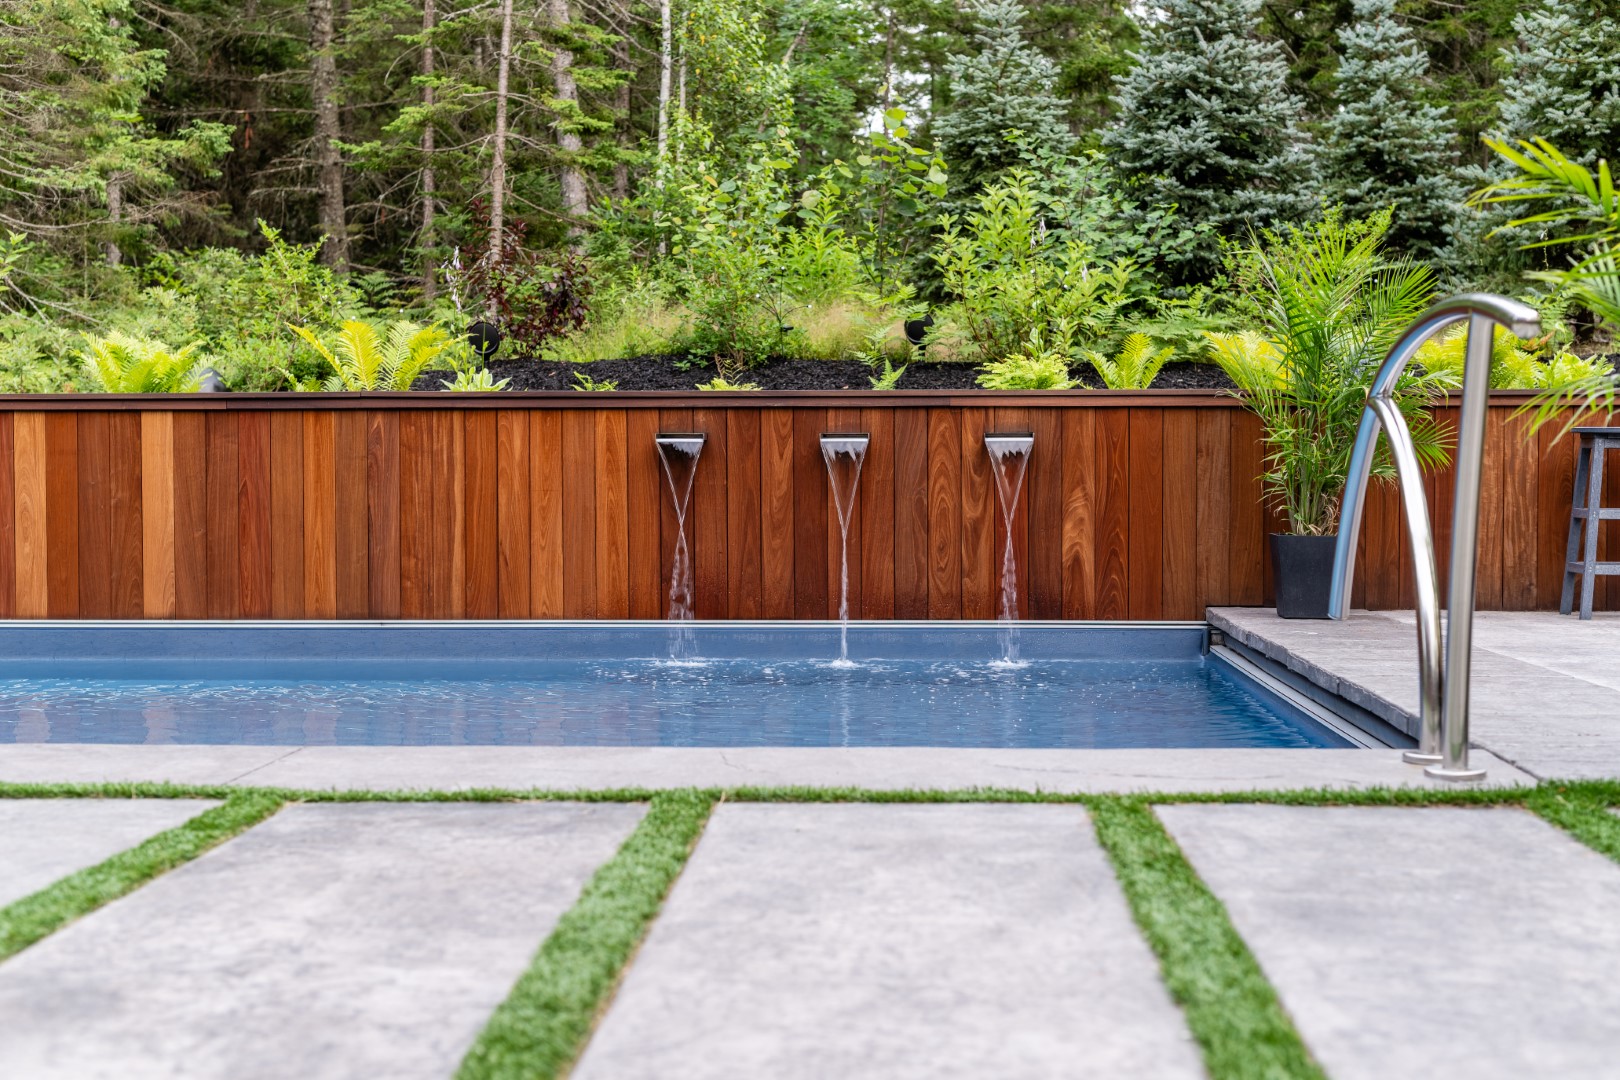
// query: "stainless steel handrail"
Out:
[1442,684]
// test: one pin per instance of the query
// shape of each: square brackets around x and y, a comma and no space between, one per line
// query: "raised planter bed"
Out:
[519,505]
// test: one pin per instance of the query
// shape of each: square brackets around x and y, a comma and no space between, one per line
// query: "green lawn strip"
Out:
[33,917]
[1231,1009]
[1585,810]
[542,1025]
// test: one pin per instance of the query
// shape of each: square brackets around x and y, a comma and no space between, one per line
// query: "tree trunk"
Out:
[666,52]
[115,215]
[575,201]
[329,163]
[430,278]
[497,167]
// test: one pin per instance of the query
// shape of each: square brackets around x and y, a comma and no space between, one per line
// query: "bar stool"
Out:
[1587,506]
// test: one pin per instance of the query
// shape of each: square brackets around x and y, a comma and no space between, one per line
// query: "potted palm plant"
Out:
[1328,304]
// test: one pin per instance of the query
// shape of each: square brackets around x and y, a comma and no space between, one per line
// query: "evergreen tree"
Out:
[1385,147]
[1005,86]
[1563,81]
[1205,122]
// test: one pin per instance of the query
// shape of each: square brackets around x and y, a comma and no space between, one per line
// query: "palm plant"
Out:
[363,359]
[1330,306]
[1134,367]
[125,364]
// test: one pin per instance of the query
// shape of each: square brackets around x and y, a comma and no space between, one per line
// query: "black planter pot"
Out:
[1303,569]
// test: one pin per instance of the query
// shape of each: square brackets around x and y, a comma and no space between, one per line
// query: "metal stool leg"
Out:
[1594,519]
[1572,550]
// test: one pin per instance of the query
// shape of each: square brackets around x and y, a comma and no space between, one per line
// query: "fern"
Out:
[723,384]
[590,385]
[1041,366]
[363,359]
[1134,367]
[125,364]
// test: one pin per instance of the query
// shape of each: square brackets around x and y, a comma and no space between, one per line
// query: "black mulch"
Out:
[662,373]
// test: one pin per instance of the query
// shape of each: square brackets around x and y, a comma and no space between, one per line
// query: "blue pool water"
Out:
[393,686]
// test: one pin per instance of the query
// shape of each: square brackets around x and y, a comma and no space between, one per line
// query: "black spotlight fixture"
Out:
[210,382]
[917,330]
[485,338]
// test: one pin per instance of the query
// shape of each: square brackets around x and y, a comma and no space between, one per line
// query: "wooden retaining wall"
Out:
[519,506]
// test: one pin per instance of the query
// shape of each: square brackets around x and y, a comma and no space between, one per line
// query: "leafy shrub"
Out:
[124,364]
[1134,367]
[475,380]
[1041,366]
[533,300]
[33,359]
[363,359]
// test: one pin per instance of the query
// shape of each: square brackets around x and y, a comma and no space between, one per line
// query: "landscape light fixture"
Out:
[917,331]
[485,338]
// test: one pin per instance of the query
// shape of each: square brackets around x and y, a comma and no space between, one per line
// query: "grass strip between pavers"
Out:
[26,921]
[1583,810]
[1231,1008]
[542,1025]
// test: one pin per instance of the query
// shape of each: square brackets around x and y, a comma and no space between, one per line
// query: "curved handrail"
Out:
[1443,690]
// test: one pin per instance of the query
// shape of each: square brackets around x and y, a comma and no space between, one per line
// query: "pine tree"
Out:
[1205,122]
[1563,80]
[1005,86]
[1385,147]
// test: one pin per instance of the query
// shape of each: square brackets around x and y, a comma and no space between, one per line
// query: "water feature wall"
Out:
[679,455]
[1009,461]
[844,454]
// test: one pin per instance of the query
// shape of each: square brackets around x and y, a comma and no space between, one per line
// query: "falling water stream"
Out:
[844,455]
[1009,459]
[679,454]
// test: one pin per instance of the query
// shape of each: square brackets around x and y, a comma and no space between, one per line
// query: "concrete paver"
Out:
[580,768]
[1438,942]
[1545,694]
[340,940]
[42,840]
[893,941]
[97,763]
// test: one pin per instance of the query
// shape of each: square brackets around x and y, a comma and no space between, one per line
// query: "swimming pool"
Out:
[616,685]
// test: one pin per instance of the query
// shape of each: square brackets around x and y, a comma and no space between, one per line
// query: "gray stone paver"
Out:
[42,840]
[348,940]
[893,941]
[95,763]
[577,768]
[1545,690]
[1436,943]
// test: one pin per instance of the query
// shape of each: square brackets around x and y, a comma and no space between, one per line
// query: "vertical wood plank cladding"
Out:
[944,515]
[1146,549]
[453,504]
[1214,489]
[546,515]
[877,516]
[1608,591]
[911,514]
[777,491]
[482,514]
[320,515]
[62,515]
[676,420]
[157,515]
[253,515]
[351,537]
[1488,575]
[224,588]
[579,514]
[844,579]
[415,514]
[383,482]
[287,515]
[1246,577]
[1380,524]
[1180,469]
[8,518]
[1079,543]
[512,513]
[93,541]
[1011,420]
[810,517]
[612,516]
[125,530]
[191,545]
[1113,478]
[981,565]
[1043,497]
[642,514]
[708,520]
[745,579]
[1519,459]
[32,535]
[1556,477]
